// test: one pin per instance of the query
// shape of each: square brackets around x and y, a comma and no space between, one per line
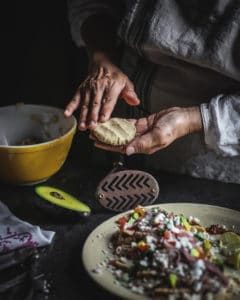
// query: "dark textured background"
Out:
[41,63]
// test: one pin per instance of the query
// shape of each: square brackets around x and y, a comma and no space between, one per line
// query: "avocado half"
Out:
[61,203]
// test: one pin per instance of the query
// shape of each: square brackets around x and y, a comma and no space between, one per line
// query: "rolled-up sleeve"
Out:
[80,10]
[221,122]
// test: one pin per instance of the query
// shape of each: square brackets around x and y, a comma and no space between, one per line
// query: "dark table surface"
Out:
[63,264]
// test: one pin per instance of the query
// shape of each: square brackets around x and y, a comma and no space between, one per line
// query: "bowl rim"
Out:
[72,128]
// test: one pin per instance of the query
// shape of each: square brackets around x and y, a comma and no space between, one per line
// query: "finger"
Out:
[129,95]
[142,144]
[93,115]
[73,104]
[110,99]
[142,126]
[100,73]
[84,111]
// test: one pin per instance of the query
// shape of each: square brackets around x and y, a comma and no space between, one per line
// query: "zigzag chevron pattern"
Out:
[124,190]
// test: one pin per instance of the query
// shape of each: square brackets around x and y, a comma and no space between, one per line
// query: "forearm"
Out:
[195,119]
[99,33]
[185,120]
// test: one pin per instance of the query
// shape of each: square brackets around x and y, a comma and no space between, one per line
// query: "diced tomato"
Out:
[143,247]
[202,255]
[166,234]
[122,221]
[173,243]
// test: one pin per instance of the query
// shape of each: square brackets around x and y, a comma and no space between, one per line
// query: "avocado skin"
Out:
[56,211]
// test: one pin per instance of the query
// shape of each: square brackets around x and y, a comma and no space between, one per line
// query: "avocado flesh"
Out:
[62,199]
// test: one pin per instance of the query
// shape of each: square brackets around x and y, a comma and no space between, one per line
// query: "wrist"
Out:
[99,33]
[194,119]
[97,56]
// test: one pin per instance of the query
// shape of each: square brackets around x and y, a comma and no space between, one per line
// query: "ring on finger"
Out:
[84,106]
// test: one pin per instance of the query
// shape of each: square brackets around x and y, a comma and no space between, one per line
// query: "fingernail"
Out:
[130,150]
[82,125]
[102,118]
[93,124]
[132,92]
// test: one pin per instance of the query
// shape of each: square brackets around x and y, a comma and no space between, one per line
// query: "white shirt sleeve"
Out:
[80,10]
[221,122]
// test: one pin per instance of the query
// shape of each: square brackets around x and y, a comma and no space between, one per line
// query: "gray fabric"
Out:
[186,53]
[205,33]
[222,124]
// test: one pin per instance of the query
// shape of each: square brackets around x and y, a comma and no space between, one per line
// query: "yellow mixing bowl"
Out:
[34,142]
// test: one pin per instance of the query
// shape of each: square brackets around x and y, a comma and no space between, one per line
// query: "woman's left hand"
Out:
[159,130]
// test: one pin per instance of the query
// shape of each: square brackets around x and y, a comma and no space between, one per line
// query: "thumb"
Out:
[142,144]
[129,95]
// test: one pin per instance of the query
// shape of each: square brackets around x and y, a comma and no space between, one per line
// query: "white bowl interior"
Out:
[32,124]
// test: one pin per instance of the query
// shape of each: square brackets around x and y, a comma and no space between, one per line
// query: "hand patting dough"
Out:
[115,132]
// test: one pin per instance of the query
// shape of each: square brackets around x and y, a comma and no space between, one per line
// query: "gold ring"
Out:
[84,106]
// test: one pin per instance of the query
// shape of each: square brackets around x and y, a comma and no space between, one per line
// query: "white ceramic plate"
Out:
[96,248]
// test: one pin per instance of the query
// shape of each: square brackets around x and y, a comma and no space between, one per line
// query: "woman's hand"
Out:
[97,96]
[159,130]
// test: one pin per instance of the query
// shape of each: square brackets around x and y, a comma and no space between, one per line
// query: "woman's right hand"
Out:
[97,96]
